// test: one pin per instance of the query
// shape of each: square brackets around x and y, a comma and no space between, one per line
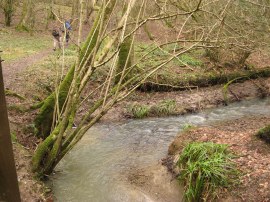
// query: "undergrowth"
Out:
[204,168]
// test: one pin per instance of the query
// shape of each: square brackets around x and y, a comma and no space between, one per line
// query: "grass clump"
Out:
[204,168]
[13,137]
[165,107]
[187,127]
[139,111]
[264,134]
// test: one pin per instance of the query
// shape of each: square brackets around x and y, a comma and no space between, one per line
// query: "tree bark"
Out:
[8,11]
[28,18]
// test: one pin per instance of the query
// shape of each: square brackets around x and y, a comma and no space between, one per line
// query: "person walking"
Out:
[56,39]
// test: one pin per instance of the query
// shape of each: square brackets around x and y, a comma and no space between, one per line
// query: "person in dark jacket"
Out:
[56,39]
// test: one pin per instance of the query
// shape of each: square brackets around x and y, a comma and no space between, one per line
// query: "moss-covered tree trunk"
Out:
[43,121]
[27,17]
[125,61]
[75,13]
[8,8]
[50,15]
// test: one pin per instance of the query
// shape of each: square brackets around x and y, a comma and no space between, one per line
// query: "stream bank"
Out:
[193,100]
[253,155]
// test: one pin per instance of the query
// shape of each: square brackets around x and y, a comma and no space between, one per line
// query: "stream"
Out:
[95,169]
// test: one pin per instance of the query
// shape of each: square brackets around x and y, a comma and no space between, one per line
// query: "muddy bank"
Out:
[193,100]
[156,183]
[253,155]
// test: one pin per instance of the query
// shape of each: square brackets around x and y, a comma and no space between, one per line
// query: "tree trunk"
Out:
[75,13]
[8,10]
[28,18]
[125,61]
[50,15]
[90,8]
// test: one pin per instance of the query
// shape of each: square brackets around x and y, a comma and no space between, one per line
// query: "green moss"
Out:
[44,119]
[42,150]
[124,60]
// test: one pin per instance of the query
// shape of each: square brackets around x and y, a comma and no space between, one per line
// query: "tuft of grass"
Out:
[13,137]
[204,168]
[165,107]
[139,111]
[189,60]
[187,127]
[264,134]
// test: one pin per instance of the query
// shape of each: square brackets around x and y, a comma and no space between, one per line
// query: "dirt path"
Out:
[12,69]
[30,189]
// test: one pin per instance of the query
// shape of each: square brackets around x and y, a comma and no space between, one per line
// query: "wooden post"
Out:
[9,190]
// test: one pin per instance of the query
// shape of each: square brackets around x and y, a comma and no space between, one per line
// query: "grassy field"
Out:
[16,45]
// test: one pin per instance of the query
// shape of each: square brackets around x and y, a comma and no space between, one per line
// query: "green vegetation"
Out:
[204,168]
[203,78]
[13,137]
[225,89]
[16,46]
[17,108]
[165,107]
[187,127]
[14,94]
[264,134]
[189,60]
[159,55]
[139,111]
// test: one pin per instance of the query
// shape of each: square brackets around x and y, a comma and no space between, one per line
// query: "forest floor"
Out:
[30,77]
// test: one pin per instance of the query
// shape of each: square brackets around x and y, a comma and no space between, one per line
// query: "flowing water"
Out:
[94,170]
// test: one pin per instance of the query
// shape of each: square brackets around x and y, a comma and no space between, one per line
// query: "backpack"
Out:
[68,25]
[55,33]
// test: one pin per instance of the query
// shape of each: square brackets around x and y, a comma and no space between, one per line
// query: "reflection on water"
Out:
[92,170]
